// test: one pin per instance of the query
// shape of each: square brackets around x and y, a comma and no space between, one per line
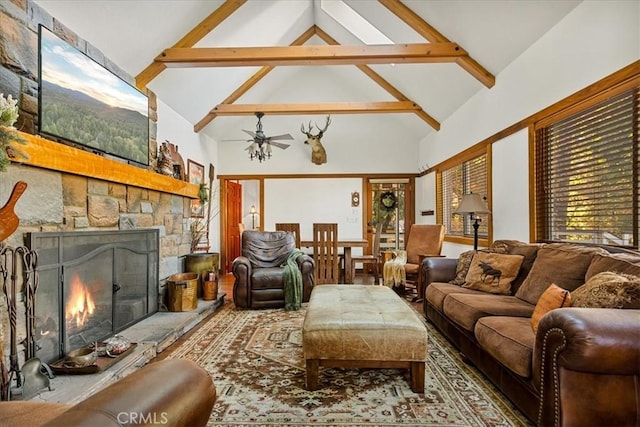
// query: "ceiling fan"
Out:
[260,147]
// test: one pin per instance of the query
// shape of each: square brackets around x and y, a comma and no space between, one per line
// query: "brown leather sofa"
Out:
[581,367]
[259,271]
[175,392]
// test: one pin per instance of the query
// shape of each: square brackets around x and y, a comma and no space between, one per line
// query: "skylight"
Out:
[354,22]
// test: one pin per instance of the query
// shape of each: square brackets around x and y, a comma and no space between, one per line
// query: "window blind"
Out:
[587,175]
[468,177]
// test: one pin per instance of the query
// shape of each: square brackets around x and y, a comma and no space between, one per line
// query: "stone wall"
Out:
[57,201]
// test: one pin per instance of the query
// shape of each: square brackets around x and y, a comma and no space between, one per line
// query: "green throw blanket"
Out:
[292,282]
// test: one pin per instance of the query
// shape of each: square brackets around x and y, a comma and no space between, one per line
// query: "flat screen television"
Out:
[82,103]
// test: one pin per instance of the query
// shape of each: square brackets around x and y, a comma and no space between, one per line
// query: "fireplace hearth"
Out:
[93,284]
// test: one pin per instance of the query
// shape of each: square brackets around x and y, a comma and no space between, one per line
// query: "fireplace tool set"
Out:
[25,382]
[29,379]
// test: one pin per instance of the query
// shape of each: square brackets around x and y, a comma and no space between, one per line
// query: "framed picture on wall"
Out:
[195,173]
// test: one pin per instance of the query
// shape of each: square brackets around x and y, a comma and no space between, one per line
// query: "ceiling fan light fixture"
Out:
[260,147]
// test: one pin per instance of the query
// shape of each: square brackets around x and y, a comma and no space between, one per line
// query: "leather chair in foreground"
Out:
[173,392]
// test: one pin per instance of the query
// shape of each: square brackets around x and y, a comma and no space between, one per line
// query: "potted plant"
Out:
[9,134]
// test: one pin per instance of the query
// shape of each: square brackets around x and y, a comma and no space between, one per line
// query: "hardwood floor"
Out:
[225,284]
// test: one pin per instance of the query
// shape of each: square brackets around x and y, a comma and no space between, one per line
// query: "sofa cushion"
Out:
[267,278]
[560,263]
[619,263]
[466,309]
[462,268]
[493,272]
[608,290]
[437,292]
[554,297]
[529,253]
[509,340]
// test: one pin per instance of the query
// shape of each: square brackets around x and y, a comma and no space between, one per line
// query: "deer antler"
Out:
[323,130]
[306,132]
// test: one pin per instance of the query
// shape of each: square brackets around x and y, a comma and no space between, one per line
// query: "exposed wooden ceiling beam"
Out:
[310,55]
[430,33]
[248,84]
[190,39]
[317,108]
[382,82]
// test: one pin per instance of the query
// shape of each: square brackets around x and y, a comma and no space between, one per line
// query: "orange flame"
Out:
[80,304]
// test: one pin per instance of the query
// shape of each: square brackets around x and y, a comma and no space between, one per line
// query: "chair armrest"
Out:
[599,341]
[241,269]
[306,264]
[173,392]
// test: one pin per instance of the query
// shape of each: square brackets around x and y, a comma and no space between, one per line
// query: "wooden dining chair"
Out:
[373,258]
[292,227]
[325,253]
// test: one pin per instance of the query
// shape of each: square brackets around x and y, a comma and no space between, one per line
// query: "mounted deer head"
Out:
[318,153]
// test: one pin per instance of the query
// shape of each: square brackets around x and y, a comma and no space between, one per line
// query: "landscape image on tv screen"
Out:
[82,102]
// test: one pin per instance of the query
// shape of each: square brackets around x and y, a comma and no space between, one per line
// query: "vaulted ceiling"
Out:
[413,62]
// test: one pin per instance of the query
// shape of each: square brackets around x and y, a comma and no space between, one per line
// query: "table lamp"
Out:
[473,204]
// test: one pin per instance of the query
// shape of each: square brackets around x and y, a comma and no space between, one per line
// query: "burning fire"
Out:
[80,305]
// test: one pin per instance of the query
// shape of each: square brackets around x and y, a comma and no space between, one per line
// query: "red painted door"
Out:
[234,217]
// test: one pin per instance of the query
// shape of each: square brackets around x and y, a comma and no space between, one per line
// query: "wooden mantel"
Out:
[47,154]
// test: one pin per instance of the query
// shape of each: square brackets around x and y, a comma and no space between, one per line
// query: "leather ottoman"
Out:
[362,326]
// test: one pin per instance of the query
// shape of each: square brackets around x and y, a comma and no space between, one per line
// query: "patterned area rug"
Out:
[256,362]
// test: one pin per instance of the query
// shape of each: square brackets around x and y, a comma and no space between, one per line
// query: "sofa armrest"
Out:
[438,270]
[174,392]
[583,343]
[241,269]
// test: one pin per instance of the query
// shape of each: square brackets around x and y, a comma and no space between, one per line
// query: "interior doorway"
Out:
[391,202]
[242,204]
[233,215]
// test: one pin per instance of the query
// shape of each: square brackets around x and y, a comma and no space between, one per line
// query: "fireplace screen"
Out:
[92,285]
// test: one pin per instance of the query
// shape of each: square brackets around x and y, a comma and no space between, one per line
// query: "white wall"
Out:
[314,200]
[596,39]
[197,147]
[385,145]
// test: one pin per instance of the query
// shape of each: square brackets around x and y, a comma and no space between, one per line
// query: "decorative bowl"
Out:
[81,357]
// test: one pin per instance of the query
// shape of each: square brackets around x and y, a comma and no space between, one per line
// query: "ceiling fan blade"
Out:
[236,140]
[278,144]
[253,135]
[283,136]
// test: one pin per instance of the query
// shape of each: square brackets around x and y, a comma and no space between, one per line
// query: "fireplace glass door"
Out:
[92,285]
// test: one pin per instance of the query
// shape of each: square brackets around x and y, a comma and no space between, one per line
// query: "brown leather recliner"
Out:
[259,271]
[171,392]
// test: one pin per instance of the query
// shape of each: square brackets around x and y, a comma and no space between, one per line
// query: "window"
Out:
[586,168]
[466,177]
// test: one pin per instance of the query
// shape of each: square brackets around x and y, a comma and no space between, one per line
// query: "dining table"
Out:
[346,244]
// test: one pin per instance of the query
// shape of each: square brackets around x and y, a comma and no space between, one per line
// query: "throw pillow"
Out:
[608,290]
[562,264]
[554,297]
[493,273]
[464,261]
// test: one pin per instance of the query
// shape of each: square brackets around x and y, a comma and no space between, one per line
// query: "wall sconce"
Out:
[253,213]
[355,199]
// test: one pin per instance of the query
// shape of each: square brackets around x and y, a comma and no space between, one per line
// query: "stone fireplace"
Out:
[92,285]
[71,191]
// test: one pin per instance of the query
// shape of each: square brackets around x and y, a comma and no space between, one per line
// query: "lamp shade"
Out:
[472,203]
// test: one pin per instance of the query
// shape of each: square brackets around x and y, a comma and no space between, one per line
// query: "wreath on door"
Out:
[388,200]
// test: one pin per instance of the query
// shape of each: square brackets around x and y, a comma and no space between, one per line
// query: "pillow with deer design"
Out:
[492,272]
